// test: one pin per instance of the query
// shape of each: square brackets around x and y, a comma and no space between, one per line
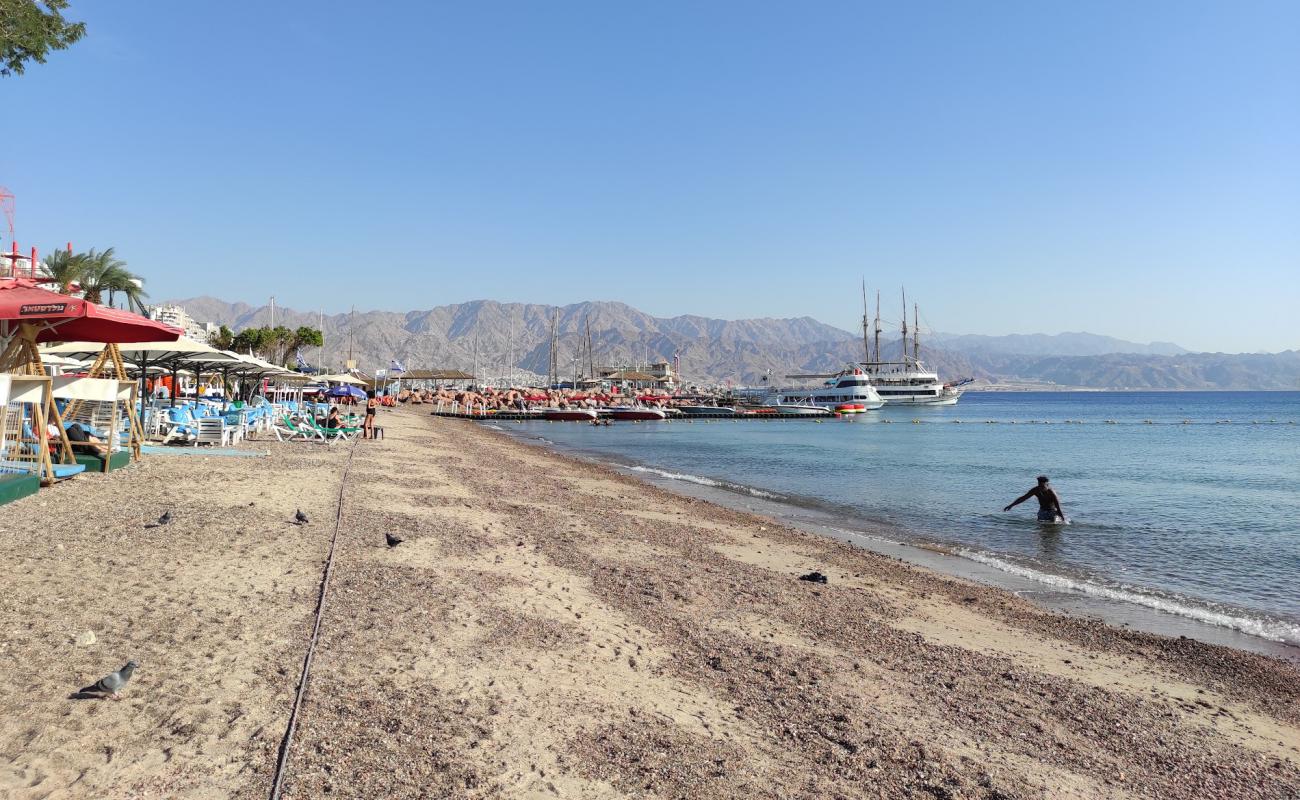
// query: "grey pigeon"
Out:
[166,517]
[813,577]
[393,541]
[111,683]
[300,517]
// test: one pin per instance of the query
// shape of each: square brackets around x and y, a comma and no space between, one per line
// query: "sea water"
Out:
[1183,502]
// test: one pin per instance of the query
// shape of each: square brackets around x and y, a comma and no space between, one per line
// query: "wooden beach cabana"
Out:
[31,314]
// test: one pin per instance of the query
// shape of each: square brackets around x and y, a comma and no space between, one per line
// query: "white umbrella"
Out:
[342,378]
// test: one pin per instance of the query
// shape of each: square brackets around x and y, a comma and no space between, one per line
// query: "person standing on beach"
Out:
[1049,504]
[372,407]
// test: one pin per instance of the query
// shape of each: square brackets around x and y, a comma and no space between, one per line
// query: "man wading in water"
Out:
[1049,505]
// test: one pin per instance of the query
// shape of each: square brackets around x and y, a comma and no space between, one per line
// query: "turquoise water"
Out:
[1183,502]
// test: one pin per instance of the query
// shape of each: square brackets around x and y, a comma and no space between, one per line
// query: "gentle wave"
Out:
[1273,630]
[702,481]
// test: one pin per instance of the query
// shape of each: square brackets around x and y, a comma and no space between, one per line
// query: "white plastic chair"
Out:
[213,431]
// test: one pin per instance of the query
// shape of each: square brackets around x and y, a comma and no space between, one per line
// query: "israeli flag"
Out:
[395,367]
[298,361]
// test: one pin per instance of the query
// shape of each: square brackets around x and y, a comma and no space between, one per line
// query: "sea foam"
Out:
[702,481]
[1273,630]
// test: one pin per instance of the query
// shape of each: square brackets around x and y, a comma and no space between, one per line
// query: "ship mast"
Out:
[866,346]
[916,333]
[877,326]
[904,325]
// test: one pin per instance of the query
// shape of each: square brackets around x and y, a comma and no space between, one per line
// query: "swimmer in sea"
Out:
[1049,505]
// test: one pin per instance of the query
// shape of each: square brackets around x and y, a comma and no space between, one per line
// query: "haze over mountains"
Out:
[742,351]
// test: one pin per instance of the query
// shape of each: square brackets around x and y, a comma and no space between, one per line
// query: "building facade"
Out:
[177,317]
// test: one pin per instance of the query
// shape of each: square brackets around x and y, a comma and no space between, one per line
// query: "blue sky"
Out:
[1124,168]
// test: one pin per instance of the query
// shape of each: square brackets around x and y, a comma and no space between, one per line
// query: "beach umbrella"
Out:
[341,378]
[346,391]
[171,356]
[30,314]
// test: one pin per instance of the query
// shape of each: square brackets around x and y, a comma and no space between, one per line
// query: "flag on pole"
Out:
[395,367]
[299,362]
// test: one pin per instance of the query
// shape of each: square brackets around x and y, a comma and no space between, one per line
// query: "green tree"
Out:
[29,30]
[222,338]
[63,269]
[308,337]
[276,345]
[250,340]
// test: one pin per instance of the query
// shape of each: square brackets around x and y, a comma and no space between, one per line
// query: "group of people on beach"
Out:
[334,420]
[525,398]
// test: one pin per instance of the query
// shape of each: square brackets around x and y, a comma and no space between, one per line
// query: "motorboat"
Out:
[569,414]
[797,410]
[707,411]
[635,413]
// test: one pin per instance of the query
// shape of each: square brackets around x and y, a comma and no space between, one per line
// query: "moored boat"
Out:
[569,414]
[635,413]
[798,410]
[848,387]
[906,381]
[707,411]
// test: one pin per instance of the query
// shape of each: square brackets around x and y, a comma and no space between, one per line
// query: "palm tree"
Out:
[63,269]
[104,272]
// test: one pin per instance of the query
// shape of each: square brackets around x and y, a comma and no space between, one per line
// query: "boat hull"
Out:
[636,414]
[569,414]
[707,411]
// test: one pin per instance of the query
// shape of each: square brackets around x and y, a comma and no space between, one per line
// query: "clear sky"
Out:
[1124,168]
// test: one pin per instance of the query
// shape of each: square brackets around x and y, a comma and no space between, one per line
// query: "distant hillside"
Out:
[741,351]
[1041,344]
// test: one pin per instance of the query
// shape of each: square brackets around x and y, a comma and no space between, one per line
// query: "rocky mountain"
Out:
[516,337]
[1041,344]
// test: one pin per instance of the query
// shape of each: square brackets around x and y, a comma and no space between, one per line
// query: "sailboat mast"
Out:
[510,348]
[877,326]
[591,359]
[916,333]
[554,366]
[866,346]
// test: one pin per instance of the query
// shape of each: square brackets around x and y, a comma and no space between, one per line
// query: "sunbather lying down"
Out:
[83,440]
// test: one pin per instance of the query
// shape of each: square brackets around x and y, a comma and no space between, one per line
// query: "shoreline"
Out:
[1059,593]
[551,627]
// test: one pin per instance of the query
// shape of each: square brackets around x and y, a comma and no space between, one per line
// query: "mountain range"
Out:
[515,337]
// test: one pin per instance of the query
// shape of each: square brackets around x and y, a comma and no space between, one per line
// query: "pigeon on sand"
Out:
[163,520]
[393,541]
[112,683]
[300,517]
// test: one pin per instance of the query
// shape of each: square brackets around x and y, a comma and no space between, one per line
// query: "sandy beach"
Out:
[550,628]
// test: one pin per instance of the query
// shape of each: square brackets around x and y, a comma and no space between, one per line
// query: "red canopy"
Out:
[60,318]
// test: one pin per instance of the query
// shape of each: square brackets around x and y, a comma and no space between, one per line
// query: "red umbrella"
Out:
[57,317]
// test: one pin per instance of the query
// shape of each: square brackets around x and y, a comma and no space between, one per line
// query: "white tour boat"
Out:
[850,389]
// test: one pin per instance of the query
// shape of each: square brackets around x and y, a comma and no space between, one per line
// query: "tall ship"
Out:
[906,381]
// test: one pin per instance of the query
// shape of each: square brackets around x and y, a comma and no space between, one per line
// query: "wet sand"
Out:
[550,628]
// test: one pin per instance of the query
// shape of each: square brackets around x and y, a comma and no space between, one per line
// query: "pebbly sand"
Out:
[553,629]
